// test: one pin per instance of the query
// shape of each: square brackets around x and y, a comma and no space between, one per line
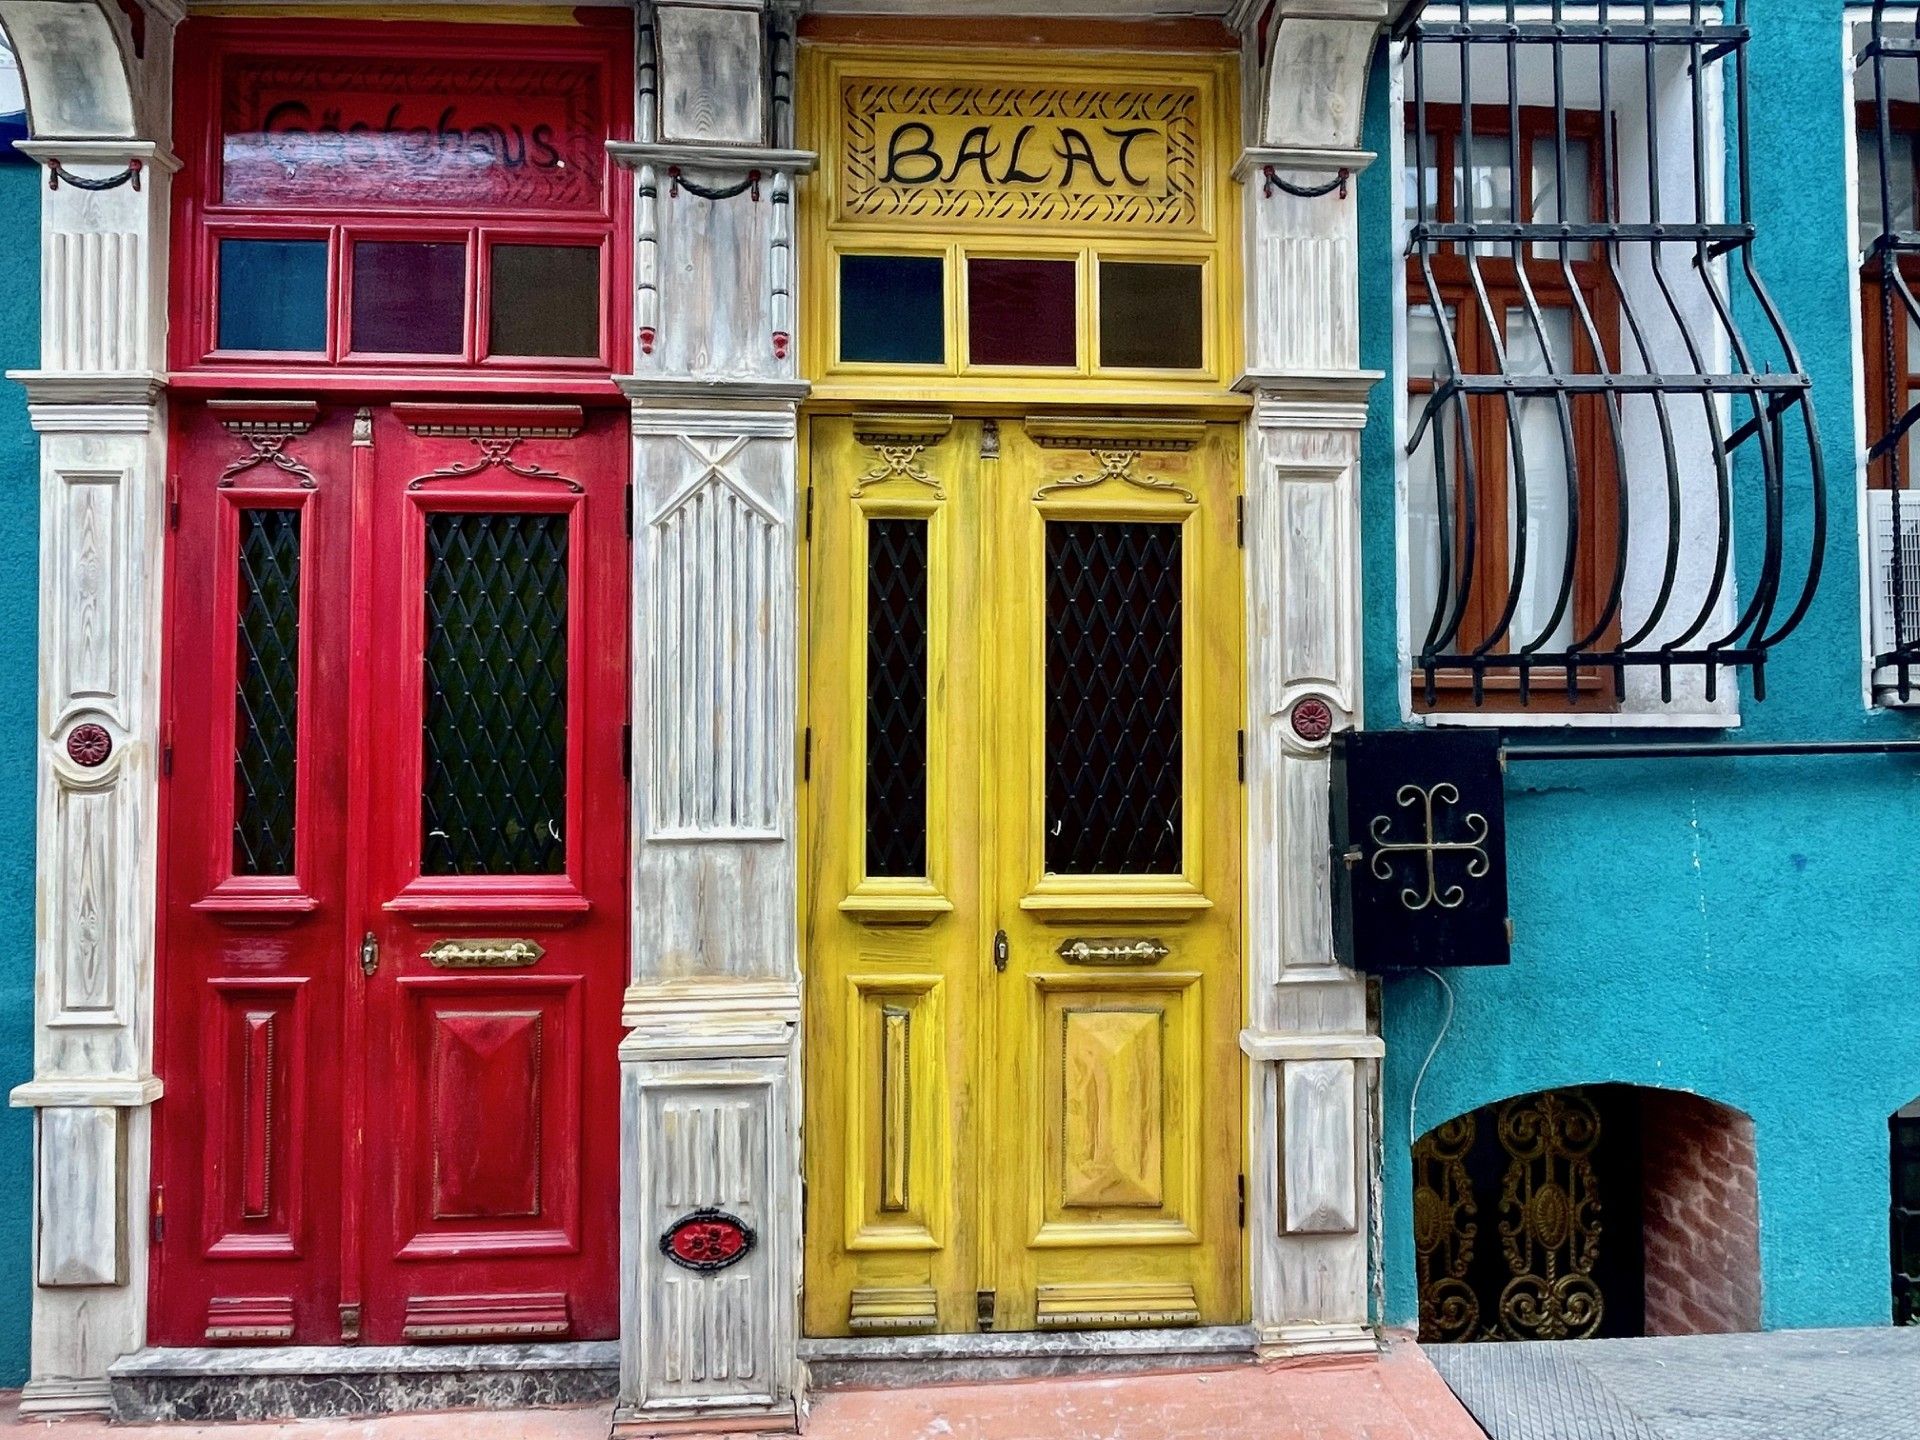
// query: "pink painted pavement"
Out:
[1399,1397]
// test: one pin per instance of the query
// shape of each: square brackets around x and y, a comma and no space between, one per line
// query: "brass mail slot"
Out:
[484,954]
[1112,952]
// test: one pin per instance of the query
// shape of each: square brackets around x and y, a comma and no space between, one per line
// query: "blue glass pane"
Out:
[893,309]
[273,295]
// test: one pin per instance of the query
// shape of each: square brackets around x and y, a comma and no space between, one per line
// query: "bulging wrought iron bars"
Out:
[1891,48]
[1664,592]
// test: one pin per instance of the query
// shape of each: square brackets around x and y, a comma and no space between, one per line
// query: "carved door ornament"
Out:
[1118,447]
[266,426]
[900,441]
[494,430]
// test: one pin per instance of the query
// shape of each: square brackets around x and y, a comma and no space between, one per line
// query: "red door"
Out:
[395,850]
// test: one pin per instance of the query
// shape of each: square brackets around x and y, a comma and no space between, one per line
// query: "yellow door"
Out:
[1023,1076]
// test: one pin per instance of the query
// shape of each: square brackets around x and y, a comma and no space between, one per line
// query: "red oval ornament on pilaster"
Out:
[707,1240]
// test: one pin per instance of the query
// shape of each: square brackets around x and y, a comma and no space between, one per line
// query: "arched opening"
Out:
[1589,1212]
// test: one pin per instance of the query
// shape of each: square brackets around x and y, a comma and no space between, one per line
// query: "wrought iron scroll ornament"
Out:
[1430,847]
[1592,414]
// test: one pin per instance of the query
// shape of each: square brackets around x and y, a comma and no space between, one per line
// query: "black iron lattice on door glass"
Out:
[494,799]
[897,697]
[1114,672]
[266,702]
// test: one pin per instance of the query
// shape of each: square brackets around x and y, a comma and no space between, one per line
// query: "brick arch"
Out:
[1687,1181]
[76,66]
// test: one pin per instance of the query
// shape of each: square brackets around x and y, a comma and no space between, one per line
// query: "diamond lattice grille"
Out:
[267,700]
[1113,699]
[495,793]
[897,697]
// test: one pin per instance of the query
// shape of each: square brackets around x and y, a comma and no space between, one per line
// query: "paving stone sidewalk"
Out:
[1787,1385]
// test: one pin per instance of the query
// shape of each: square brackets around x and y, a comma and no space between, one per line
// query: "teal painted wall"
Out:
[1734,928]
[19,582]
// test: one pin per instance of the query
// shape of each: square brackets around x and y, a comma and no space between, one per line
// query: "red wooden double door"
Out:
[395,875]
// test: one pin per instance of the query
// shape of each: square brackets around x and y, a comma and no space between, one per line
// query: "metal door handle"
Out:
[369,954]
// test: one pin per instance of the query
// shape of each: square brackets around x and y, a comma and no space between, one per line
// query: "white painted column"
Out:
[710,1068]
[1313,1058]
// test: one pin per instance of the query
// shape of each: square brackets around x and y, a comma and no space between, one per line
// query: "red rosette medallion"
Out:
[707,1240]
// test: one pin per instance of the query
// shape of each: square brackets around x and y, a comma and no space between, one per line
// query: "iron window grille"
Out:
[1671,359]
[1889,120]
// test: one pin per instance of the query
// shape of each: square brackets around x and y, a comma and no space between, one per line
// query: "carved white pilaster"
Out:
[1313,1061]
[95,401]
[710,1068]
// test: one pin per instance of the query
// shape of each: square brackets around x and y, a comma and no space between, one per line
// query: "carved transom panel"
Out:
[1119,154]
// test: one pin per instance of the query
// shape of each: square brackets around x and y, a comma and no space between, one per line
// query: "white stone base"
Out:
[1300,1342]
[55,1399]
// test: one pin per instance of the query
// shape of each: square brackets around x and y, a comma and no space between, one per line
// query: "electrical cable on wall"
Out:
[1413,1100]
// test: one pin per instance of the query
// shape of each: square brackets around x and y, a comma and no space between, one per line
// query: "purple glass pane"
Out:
[409,297]
[1022,312]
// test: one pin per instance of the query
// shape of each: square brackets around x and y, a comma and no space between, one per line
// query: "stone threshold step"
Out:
[297,1382]
[890,1362]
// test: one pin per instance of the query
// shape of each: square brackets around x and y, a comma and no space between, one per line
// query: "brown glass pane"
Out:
[1151,316]
[495,797]
[409,297]
[1114,682]
[1022,312]
[546,301]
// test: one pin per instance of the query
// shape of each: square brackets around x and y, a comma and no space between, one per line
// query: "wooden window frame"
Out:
[203,216]
[1874,340]
[1453,281]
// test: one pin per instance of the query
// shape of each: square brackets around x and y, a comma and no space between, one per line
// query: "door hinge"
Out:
[809,512]
[1000,951]
[173,502]
[369,954]
[629,509]
[1240,754]
[806,755]
[1240,521]
[166,751]
[983,1307]
[157,1218]
[626,750]
[1240,1190]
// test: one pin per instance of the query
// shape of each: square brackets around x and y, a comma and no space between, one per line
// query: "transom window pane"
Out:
[494,800]
[1114,696]
[266,729]
[897,697]
[409,297]
[273,295]
[1023,312]
[545,301]
[893,309]
[1151,315]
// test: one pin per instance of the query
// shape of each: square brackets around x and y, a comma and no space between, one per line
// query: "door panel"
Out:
[395,934]
[1022,919]
[496,882]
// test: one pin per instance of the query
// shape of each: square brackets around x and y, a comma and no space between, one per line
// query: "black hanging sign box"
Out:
[1419,831]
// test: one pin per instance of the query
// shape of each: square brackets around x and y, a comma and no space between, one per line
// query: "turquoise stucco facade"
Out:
[19,570]
[1731,927]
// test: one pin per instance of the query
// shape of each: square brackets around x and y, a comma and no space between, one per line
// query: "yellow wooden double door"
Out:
[1023,883]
